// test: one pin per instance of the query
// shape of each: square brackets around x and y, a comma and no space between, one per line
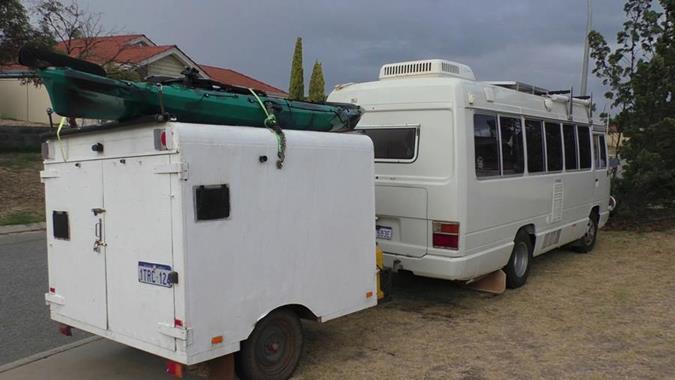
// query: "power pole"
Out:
[584,69]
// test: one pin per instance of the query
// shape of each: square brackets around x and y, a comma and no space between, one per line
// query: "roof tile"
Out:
[232,77]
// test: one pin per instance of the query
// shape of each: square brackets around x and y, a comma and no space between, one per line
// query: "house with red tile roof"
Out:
[132,51]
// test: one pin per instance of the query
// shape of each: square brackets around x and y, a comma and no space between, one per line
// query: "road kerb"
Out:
[45,354]
[18,228]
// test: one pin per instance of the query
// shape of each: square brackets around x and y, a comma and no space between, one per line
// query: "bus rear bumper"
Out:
[453,268]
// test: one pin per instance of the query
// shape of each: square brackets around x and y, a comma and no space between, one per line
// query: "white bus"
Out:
[473,177]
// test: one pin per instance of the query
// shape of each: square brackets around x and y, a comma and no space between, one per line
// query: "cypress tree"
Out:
[296,88]
[317,92]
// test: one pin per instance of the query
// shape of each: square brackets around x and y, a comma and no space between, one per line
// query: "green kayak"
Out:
[84,92]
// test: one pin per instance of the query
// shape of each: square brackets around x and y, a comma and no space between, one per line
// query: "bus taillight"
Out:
[446,235]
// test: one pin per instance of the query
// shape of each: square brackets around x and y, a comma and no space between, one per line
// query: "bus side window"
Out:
[393,143]
[536,162]
[486,145]
[600,154]
[584,147]
[511,133]
[553,147]
[570,139]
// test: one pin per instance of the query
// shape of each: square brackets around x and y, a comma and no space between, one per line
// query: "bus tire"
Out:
[518,267]
[273,349]
[587,242]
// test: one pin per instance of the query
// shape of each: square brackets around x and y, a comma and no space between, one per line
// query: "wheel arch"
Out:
[531,231]
[595,211]
[302,311]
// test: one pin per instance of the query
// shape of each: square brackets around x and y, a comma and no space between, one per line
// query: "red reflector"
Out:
[52,290]
[162,138]
[178,323]
[66,330]
[174,369]
[446,241]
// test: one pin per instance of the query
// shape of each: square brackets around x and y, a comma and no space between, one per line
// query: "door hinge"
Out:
[179,333]
[44,174]
[180,168]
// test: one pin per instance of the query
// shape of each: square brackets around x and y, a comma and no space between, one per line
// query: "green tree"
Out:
[296,88]
[317,86]
[640,74]
[16,31]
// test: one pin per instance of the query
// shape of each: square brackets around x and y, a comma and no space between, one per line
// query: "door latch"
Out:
[97,211]
[98,233]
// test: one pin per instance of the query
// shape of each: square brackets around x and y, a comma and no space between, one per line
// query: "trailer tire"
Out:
[587,242]
[273,349]
[518,267]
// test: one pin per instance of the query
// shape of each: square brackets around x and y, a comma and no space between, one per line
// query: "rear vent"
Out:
[431,67]
[408,68]
[449,67]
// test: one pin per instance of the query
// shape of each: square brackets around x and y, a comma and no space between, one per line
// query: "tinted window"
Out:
[513,159]
[599,153]
[535,146]
[603,152]
[486,145]
[570,147]
[584,147]
[553,147]
[393,143]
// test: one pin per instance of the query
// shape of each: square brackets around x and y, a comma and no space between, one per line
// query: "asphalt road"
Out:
[25,327]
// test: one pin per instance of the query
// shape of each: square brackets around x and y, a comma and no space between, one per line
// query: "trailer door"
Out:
[74,196]
[139,249]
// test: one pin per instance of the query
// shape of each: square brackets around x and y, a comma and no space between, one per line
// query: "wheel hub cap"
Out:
[590,233]
[521,256]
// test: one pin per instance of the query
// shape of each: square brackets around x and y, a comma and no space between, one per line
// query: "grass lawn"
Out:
[21,193]
[609,314]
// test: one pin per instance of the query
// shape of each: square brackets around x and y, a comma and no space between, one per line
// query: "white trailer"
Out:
[187,241]
[473,177]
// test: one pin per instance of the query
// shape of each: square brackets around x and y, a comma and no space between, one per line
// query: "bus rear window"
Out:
[393,143]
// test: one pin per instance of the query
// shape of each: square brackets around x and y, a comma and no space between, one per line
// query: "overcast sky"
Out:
[533,41]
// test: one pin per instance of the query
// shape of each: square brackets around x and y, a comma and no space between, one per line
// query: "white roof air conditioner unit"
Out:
[426,68]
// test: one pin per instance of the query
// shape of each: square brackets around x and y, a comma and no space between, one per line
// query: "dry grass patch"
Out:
[607,314]
[21,193]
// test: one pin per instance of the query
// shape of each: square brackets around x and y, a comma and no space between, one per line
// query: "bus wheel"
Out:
[518,266]
[587,242]
[273,349]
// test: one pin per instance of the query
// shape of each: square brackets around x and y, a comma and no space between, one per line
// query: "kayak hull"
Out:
[83,95]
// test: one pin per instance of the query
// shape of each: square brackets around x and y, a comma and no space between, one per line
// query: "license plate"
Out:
[383,232]
[154,274]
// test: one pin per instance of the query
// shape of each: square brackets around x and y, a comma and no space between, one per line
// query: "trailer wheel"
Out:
[518,267]
[273,349]
[587,242]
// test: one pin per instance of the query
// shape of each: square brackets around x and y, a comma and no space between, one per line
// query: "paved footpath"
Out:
[97,359]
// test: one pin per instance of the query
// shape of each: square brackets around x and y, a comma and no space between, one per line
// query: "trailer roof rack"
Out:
[520,86]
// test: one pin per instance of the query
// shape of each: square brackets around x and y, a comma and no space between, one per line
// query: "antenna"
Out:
[570,115]
[584,67]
